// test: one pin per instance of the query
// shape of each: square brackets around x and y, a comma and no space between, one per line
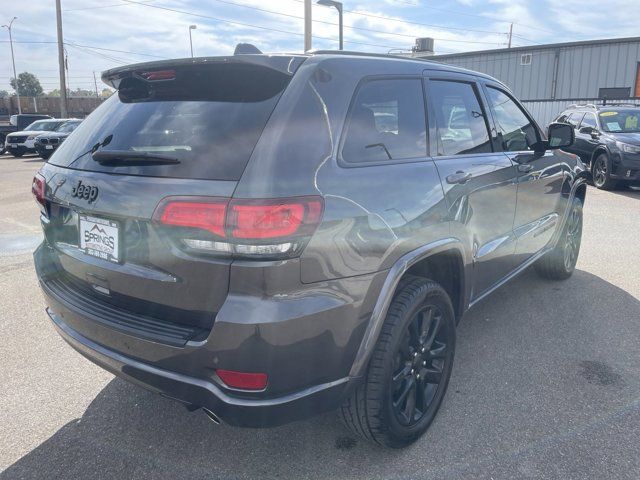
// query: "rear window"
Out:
[207,117]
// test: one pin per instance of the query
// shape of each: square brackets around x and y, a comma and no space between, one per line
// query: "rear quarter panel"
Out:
[373,214]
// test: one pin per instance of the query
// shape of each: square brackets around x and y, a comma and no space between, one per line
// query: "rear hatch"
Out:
[182,128]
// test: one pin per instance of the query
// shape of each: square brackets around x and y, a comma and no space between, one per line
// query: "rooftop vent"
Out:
[423,46]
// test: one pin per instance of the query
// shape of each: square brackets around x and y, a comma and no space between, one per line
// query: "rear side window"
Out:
[209,118]
[386,122]
[461,122]
[515,130]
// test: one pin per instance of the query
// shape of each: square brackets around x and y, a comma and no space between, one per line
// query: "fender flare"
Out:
[596,151]
[385,297]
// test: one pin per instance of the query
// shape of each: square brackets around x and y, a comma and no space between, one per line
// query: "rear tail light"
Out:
[243,380]
[38,186]
[243,227]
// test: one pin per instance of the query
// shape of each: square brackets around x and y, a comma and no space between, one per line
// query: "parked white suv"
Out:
[19,143]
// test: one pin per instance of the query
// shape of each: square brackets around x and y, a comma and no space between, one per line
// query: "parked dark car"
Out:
[17,123]
[608,140]
[47,143]
[270,237]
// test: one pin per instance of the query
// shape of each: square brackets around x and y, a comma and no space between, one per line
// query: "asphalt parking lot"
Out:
[546,382]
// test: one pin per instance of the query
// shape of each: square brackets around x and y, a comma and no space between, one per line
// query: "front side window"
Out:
[461,123]
[515,131]
[386,122]
[575,118]
[589,120]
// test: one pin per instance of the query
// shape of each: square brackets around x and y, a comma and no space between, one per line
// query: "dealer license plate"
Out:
[100,237]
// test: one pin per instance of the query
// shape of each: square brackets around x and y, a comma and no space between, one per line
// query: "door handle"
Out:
[459,177]
[525,167]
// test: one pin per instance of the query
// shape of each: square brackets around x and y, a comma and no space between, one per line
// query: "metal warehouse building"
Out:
[547,78]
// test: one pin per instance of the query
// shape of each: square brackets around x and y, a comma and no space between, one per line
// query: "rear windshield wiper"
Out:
[128,157]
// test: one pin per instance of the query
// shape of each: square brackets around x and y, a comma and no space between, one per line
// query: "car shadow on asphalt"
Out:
[536,362]
[630,192]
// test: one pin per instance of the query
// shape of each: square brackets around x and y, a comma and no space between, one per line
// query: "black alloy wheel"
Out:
[410,367]
[419,366]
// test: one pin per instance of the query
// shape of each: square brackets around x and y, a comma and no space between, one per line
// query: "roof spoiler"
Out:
[286,64]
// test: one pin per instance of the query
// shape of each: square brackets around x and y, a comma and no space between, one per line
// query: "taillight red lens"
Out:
[243,380]
[206,215]
[254,219]
[38,186]
[246,227]
[158,75]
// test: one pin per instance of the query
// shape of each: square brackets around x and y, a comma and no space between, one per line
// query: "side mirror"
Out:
[587,130]
[560,135]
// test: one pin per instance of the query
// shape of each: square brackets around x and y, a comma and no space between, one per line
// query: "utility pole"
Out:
[61,63]
[95,84]
[13,60]
[307,25]
[510,34]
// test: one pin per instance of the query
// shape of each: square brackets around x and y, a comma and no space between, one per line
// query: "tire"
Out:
[17,154]
[601,173]
[44,156]
[415,349]
[560,262]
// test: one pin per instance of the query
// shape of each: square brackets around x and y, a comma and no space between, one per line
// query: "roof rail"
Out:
[623,104]
[585,105]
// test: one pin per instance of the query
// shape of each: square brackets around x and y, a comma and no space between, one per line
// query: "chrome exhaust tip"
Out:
[212,416]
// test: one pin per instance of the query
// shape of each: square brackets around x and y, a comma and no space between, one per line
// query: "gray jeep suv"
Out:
[267,237]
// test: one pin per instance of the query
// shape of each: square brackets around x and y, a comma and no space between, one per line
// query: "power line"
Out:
[381,17]
[359,28]
[243,24]
[234,22]
[73,44]
[113,50]
[100,6]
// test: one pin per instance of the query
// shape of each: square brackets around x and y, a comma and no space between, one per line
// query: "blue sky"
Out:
[104,33]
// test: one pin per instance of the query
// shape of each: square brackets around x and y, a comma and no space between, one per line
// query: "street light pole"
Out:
[337,6]
[191,27]
[13,60]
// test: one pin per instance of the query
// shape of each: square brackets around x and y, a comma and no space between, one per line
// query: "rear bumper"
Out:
[305,343]
[201,393]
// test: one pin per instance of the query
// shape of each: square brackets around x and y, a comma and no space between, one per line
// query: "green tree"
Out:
[27,85]
[4,94]
[81,92]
